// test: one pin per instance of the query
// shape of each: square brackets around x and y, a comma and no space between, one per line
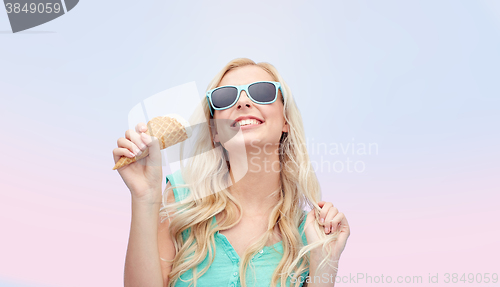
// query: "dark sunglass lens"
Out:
[223,97]
[262,92]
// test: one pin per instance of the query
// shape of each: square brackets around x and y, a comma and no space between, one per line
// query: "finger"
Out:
[135,138]
[126,143]
[119,152]
[153,144]
[329,217]
[146,139]
[324,211]
[141,127]
[337,220]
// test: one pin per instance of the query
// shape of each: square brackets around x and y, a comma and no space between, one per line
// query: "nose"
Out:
[243,101]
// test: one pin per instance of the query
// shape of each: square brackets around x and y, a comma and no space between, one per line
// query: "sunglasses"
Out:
[263,93]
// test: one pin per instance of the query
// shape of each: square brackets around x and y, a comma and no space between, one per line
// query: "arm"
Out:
[327,270]
[333,222]
[166,246]
[143,266]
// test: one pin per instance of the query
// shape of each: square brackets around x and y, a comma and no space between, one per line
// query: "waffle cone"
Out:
[168,130]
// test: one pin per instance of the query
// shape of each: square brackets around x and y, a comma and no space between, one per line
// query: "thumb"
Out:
[154,156]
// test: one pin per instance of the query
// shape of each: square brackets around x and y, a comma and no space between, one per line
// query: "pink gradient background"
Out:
[75,232]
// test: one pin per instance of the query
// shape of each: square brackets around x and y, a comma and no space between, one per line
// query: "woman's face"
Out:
[271,115]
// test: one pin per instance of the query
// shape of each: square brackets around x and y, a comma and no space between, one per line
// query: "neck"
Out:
[256,178]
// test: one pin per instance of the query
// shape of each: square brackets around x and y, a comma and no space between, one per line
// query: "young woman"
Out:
[235,214]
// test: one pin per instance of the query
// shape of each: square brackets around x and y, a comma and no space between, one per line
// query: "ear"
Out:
[213,131]
[286,127]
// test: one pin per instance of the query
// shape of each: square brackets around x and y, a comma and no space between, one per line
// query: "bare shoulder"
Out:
[166,246]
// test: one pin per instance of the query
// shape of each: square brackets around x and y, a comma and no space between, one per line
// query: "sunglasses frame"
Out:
[240,88]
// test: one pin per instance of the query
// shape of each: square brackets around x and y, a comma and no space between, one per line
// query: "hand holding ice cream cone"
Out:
[138,157]
[169,130]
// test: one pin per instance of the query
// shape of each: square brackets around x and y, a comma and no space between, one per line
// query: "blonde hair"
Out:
[207,172]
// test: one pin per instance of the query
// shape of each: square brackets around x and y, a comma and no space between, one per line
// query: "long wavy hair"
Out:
[207,177]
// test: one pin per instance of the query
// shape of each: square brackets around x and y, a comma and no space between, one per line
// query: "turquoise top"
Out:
[225,267]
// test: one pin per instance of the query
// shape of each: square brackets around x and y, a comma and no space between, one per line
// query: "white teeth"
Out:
[248,122]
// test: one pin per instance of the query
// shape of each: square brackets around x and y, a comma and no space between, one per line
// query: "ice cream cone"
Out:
[169,130]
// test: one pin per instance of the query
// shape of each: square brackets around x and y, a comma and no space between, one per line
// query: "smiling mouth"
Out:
[250,122]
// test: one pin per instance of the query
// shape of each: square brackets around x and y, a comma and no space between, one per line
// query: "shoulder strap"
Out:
[175,179]
[180,193]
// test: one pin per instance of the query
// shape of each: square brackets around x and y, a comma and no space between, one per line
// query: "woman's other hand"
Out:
[330,221]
